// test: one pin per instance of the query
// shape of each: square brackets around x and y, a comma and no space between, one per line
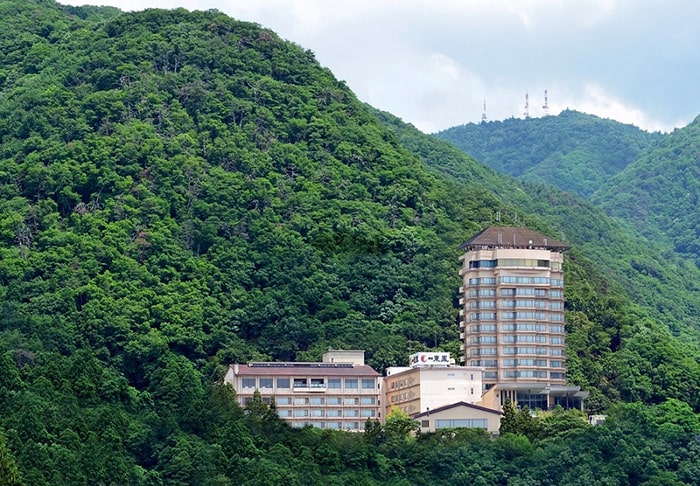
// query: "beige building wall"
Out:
[416,390]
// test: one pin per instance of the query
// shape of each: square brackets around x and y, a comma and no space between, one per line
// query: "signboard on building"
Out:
[419,360]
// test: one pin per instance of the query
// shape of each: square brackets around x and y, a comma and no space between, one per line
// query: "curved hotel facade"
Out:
[512,316]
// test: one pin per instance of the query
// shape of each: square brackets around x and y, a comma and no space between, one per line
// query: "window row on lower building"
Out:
[334,425]
[318,400]
[321,412]
[452,423]
[317,383]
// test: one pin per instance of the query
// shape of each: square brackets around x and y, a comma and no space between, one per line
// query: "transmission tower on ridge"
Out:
[483,115]
[527,105]
[545,107]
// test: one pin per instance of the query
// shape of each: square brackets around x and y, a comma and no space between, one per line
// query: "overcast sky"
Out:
[434,63]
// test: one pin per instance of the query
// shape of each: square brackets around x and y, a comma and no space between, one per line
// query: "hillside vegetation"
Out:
[180,191]
[659,193]
[573,151]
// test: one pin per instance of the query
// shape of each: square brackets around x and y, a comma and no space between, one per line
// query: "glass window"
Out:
[368,383]
[300,382]
[301,412]
[248,382]
[283,400]
[318,425]
[265,382]
[350,401]
[317,412]
[317,383]
[335,413]
[352,413]
[316,400]
[282,382]
[333,400]
[367,400]
[351,383]
[368,412]
[333,425]
[333,382]
[468,423]
[301,401]
[352,425]
[284,412]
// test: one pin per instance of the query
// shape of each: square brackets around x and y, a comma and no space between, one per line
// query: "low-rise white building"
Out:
[430,381]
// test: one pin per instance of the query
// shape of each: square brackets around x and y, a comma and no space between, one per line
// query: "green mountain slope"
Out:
[179,191]
[572,151]
[659,193]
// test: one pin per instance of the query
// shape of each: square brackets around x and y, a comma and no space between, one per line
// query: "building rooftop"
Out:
[455,405]
[307,369]
[512,237]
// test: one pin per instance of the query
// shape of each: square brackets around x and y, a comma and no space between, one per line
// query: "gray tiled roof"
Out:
[305,369]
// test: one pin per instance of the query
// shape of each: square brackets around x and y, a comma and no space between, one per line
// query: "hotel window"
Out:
[301,401]
[334,383]
[265,382]
[318,383]
[333,425]
[490,375]
[317,412]
[282,382]
[368,412]
[557,352]
[335,413]
[351,383]
[556,364]
[453,423]
[333,401]
[367,401]
[318,425]
[352,425]
[248,382]
[556,375]
[301,412]
[298,425]
[352,413]
[284,412]
[300,382]
[316,400]
[556,340]
[368,383]
[283,400]
[350,401]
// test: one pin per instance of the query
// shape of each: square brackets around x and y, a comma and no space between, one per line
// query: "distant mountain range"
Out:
[573,151]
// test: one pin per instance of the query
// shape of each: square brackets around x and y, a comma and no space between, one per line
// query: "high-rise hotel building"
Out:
[512,317]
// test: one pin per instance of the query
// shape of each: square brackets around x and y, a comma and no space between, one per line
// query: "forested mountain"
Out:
[659,193]
[179,191]
[573,151]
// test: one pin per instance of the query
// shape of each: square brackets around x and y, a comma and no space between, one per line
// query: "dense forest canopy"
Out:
[180,190]
[659,193]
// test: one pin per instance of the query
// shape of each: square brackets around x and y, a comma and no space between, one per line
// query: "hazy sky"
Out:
[433,63]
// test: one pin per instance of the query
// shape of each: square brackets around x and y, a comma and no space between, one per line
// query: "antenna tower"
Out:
[483,115]
[527,105]
[545,107]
